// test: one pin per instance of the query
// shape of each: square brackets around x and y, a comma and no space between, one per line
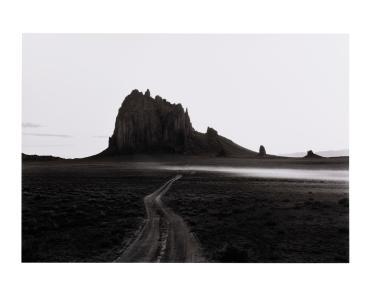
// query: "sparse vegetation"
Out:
[81,214]
[264,220]
[84,212]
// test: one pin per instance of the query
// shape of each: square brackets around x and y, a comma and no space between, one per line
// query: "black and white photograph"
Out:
[185,148]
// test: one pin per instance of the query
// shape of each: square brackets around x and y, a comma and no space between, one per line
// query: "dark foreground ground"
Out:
[239,219]
[90,211]
[81,213]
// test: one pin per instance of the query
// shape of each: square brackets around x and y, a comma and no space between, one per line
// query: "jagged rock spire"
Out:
[146,125]
[311,154]
[262,151]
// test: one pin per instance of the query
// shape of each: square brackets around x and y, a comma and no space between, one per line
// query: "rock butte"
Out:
[149,125]
[310,154]
[262,151]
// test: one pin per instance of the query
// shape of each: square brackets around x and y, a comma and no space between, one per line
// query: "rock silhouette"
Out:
[310,154]
[27,157]
[262,151]
[154,125]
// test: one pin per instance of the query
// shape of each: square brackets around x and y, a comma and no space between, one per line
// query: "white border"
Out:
[189,16]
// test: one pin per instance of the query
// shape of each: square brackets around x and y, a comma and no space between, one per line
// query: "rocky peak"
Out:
[144,124]
[310,154]
[262,151]
[211,132]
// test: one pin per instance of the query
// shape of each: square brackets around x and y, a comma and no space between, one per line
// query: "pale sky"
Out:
[287,92]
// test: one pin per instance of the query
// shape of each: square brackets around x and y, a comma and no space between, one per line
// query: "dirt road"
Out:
[164,236]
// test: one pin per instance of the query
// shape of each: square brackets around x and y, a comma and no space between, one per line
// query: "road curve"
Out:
[164,236]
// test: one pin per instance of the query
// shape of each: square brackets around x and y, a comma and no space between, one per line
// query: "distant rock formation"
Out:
[27,157]
[144,124]
[310,154]
[262,151]
[154,125]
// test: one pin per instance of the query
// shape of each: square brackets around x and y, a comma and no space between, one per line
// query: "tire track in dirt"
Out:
[165,236]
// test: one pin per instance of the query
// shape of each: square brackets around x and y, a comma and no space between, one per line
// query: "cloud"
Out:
[30,125]
[101,137]
[47,135]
